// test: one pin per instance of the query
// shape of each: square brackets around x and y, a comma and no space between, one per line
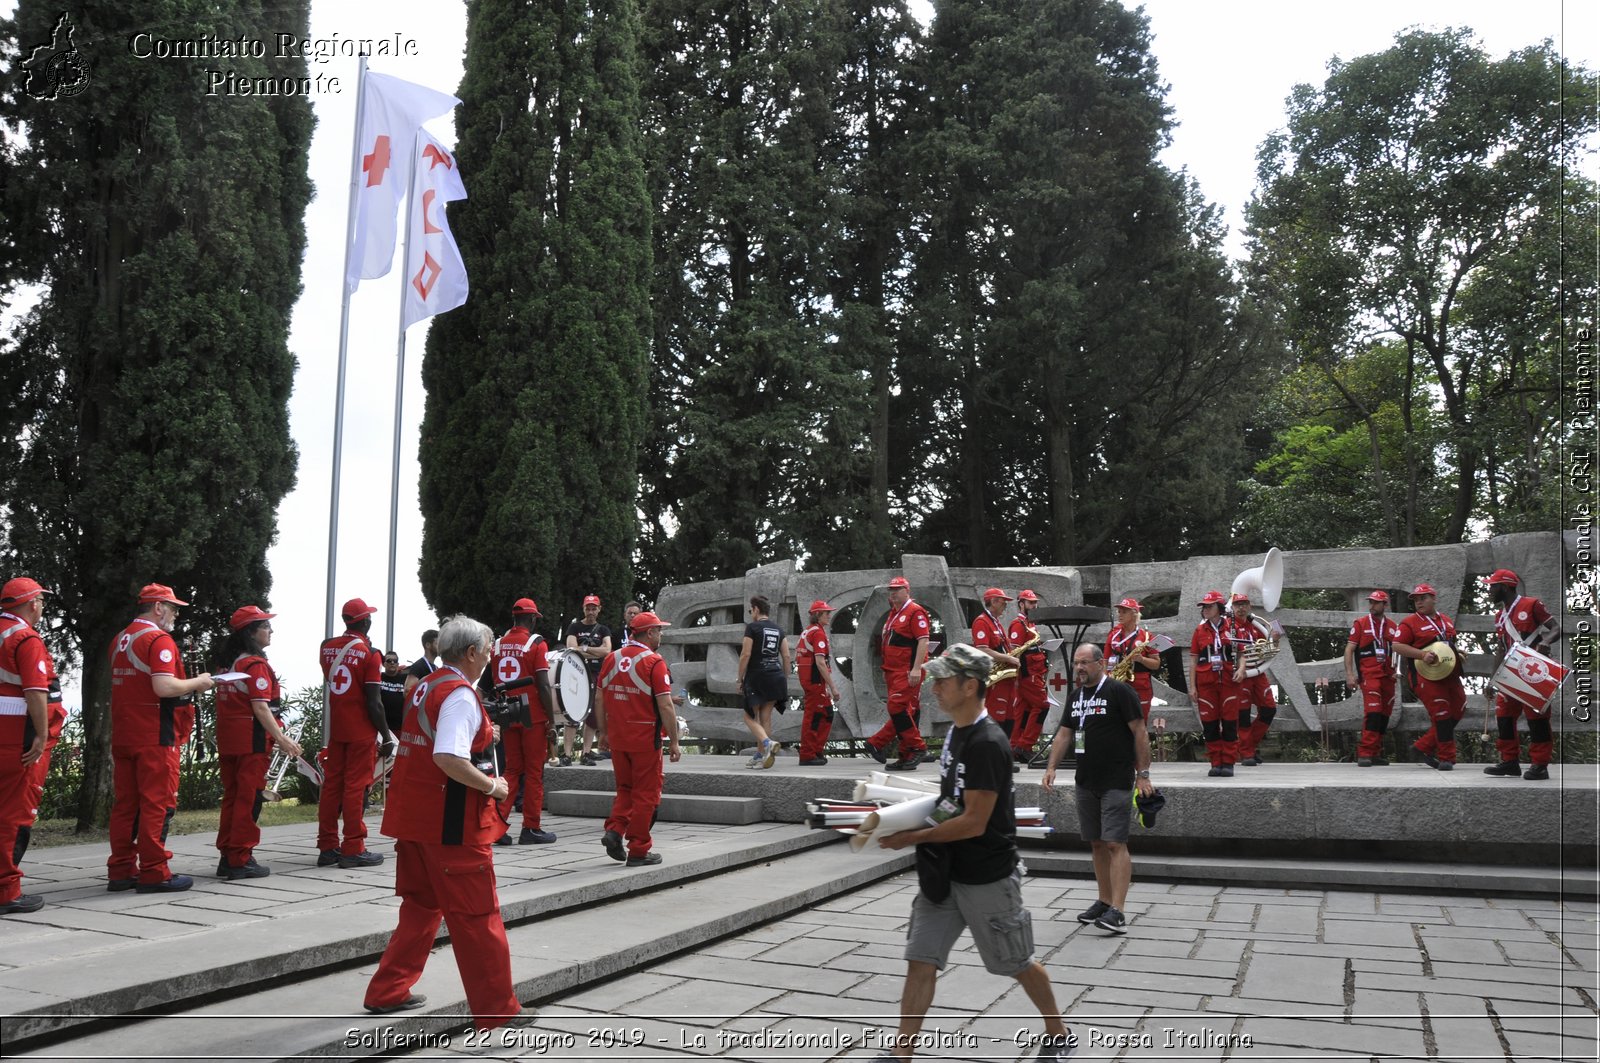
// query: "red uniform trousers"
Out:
[1033,704]
[999,701]
[1255,691]
[146,798]
[633,810]
[346,773]
[904,701]
[527,749]
[1377,702]
[243,777]
[453,884]
[1540,744]
[16,817]
[1217,701]
[1444,701]
[816,722]
[1141,686]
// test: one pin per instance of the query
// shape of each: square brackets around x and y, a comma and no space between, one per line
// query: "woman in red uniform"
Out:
[814,666]
[248,726]
[1126,637]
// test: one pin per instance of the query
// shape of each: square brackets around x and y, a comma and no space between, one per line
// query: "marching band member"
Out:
[248,725]
[1444,699]
[1216,695]
[1254,691]
[146,685]
[592,640]
[1033,702]
[904,643]
[990,637]
[1526,620]
[814,666]
[521,654]
[1125,636]
[351,668]
[443,814]
[30,699]
[1370,641]
[633,709]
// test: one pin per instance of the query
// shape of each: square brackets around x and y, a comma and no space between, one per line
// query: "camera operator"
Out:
[520,665]
[443,814]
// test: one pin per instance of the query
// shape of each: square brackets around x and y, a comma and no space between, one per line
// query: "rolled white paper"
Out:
[904,816]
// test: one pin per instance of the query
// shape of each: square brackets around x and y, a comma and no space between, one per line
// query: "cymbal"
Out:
[1441,670]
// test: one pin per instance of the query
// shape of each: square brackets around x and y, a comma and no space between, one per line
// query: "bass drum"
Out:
[570,678]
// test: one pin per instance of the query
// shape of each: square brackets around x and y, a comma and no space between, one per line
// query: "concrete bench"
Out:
[675,808]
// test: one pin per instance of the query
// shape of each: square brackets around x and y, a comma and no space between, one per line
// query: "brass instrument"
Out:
[1259,652]
[1122,671]
[999,674]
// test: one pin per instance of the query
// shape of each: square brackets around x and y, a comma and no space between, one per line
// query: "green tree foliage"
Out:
[145,432]
[536,387]
[1418,198]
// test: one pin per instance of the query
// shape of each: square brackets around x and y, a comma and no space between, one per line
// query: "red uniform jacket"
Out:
[138,717]
[238,730]
[425,804]
[519,654]
[900,634]
[347,678]
[630,681]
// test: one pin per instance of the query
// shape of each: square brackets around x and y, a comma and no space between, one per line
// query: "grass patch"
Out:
[48,832]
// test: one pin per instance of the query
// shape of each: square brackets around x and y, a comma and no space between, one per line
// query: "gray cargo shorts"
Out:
[1104,818]
[1001,927]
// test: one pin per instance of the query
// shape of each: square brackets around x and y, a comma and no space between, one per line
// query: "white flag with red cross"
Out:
[436,278]
[392,111]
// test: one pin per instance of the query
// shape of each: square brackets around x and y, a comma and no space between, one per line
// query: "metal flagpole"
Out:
[400,382]
[344,343]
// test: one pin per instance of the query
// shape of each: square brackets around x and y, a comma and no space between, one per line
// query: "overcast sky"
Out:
[1229,64]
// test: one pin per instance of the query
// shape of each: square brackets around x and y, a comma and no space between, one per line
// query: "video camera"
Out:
[504,708]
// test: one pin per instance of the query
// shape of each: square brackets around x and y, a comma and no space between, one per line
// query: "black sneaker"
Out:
[1538,771]
[1425,758]
[365,858]
[251,869]
[534,837]
[1363,762]
[173,884]
[1053,1049]
[1250,761]
[222,867]
[504,839]
[879,755]
[1093,912]
[1506,769]
[588,760]
[1112,920]
[119,885]
[327,858]
[813,762]
[613,843]
[415,1000]
[1225,772]
[1380,762]
[563,761]
[1446,765]
[25,903]
[1215,771]
[647,860]
[909,762]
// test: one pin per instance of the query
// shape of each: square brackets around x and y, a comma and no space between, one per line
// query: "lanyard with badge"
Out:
[1080,709]
[1380,647]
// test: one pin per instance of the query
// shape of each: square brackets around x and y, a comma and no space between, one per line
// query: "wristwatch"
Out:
[1142,774]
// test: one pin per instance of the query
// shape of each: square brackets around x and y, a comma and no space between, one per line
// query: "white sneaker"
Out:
[769,753]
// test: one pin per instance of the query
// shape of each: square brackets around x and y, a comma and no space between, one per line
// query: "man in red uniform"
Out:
[521,655]
[30,696]
[1371,641]
[1033,702]
[443,812]
[1444,699]
[1525,620]
[146,685]
[1255,691]
[904,643]
[353,672]
[248,727]
[1216,695]
[1125,637]
[989,635]
[814,665]
[632,711]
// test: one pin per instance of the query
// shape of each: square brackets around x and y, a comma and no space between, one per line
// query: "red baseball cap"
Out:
[246,615]
[1423,588]
[820,606]
[1129,603]
[592,599]
[647,620]
[159,592]
[995,592]
[1212,598]
[20,590]
[1240,597]
[356,609]
[1504,575]
[899,581]
[524,606]
[1378,596]
[1027,596]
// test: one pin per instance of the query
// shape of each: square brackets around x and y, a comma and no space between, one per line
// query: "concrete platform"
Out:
[674,808]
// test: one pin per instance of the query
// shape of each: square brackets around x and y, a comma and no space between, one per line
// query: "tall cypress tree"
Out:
[536,387]
[146,432]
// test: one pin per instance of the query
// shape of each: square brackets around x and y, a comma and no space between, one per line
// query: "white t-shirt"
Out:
[459,720]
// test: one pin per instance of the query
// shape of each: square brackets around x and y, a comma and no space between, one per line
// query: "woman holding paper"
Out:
[248,726]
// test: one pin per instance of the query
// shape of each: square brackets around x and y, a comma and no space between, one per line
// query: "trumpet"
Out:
[1000,675]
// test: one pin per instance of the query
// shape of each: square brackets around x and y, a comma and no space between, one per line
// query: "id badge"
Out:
[1077,741]
[947,808]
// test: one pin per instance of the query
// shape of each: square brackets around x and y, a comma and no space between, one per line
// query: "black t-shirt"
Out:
[765,637]
[979,758]
[422,668]
[392,692]
[1103,714]
[588,635]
